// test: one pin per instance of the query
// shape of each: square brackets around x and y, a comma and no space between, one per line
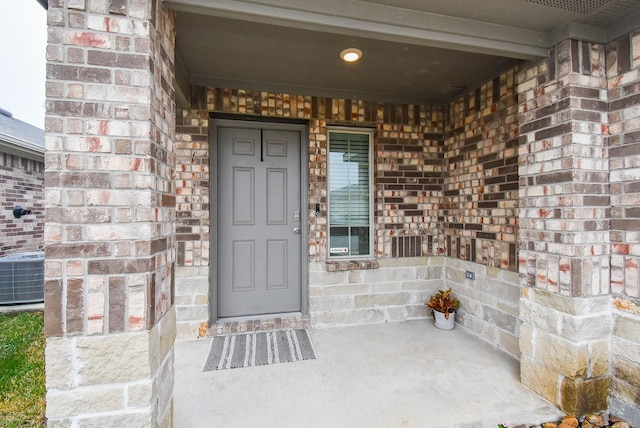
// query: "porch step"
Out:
[266,323]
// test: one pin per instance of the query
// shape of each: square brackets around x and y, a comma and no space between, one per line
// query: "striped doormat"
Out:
[258,349]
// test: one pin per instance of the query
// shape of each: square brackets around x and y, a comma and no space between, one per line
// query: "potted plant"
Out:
[443,306]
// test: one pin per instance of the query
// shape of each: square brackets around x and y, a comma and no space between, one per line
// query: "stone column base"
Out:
[565,346]
[121,379]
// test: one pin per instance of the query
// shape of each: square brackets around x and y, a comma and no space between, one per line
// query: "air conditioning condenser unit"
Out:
[22,278]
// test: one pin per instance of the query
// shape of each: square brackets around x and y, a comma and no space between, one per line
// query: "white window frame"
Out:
[370,134]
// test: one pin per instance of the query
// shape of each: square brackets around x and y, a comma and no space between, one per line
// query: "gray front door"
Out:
[259,239]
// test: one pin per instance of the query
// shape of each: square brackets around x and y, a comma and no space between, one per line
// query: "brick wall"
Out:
[109,169]
[564,227]
[624,127]
[408,177]
[21,183]
[193,235]
[479,231]
[191,150]
[110,207]
[564,219]
[161,161]
[408,167]
[623,70]
[414,167]
[480,206]
[578,185]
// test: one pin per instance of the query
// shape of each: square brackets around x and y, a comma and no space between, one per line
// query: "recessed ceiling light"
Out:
[351,54]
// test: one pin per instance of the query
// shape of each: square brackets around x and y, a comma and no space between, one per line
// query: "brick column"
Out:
[110,213]
[564,228]
[623,72]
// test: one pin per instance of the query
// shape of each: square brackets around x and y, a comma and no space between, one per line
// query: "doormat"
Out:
[259,349]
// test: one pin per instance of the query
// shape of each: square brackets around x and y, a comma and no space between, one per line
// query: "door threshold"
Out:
[253,323]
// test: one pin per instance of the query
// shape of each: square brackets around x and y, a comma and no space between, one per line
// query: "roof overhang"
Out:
[413,49]
[22,148]
[381,22]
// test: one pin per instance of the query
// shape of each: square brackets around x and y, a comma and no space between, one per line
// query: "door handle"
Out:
[296,230]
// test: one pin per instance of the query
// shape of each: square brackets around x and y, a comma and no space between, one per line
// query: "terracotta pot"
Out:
[442,322]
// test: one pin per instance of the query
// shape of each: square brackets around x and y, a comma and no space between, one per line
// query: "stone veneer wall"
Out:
[489,304]
[21,183]
[623,72]
[394,291]
[110,213]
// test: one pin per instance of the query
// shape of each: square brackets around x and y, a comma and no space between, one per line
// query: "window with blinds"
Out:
[349,193]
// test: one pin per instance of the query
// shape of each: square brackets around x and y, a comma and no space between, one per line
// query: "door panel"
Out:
[277,264]
[243,263]
[243,196]
[276,200]
[259,201]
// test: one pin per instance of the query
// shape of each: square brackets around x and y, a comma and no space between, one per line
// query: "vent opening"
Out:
[584,7]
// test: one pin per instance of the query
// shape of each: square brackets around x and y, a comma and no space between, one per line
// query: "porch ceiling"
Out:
[415,51]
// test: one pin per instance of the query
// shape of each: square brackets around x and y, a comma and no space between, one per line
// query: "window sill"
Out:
[344,265]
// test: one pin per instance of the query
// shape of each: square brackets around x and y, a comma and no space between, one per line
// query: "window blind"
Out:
[349,193]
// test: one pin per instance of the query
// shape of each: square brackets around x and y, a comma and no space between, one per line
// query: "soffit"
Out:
[414,50]
[540,15]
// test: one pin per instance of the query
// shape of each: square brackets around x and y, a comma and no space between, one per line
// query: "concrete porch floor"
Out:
[407,374]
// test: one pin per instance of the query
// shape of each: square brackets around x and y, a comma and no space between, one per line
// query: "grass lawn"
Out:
[22,380]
